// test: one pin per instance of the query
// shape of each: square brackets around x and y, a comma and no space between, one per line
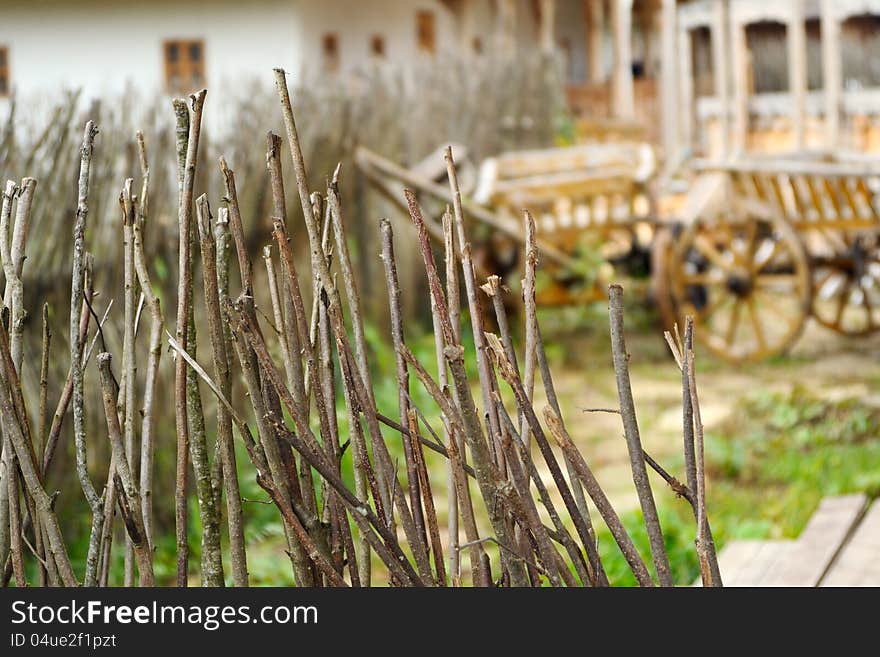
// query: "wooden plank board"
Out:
[818,544]
[859,562]
[745,562]
[768,557]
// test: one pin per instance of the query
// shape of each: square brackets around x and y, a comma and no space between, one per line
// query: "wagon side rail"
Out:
[379,170]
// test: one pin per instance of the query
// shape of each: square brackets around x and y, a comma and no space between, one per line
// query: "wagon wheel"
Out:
[847,286]
[747,284]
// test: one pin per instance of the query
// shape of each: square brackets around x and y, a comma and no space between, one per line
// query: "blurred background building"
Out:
[736,74]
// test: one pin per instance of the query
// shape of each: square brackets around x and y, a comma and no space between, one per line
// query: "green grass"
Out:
[768,466]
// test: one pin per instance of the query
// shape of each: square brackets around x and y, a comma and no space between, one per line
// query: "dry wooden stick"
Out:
[293,327]
[454,306]
[397,340]
[183,289]
[295,321]
[352,294]
[470,283]
[341,539]
[13,265]
[433,445]
[157,324]
[23,449]
[76,300]
[430,511]
[531,319]
[304,440]
[562,534]
[609,515]
[14,290]
[266,432]
[238,555]
[15,529]
[237,229]
[285,321]
[129,358]
[44,381]
[705,544]
[209,514]
[493,288]
[382,541]
[111,494]
[534,528]
[6,456]
[41,432]
[536,354]
[633,440]
[488,476]
[687,409]
[259,459]
[67,392]
[510,375]
[385,469]
[129,496]
[550,391]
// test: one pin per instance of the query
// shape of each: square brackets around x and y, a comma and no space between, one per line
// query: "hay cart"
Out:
[757,248]
[791,239]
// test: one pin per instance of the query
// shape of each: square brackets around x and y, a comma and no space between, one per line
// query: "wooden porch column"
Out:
[740,86]
[669,79]
[686,87]
[623,105]
[594,11]
[547,31]
[832,75]
[721,65]
[466,26]
[797,72]
[507,27]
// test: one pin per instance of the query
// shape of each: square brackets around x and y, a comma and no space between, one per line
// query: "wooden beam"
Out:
[467,27]
[507,27]
[832,75]
[669,79]
[594,13]
[685,87]
[740,86]
[624,101]
[797,72]
[547,27]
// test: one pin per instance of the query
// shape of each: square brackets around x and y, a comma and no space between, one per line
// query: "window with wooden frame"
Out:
[4,71]
[377,46]
[184,65]
[330,51]
[426,31]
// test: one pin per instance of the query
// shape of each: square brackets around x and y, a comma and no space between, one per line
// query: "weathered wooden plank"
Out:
[818,544]
[858,564]
[746,562]
[768,556]
[791,166]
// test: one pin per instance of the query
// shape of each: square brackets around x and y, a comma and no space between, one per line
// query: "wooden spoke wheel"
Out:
[747,284]
[846,286]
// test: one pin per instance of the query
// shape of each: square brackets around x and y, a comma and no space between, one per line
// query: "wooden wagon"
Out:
[592,205]
[791,239]
[758,248]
